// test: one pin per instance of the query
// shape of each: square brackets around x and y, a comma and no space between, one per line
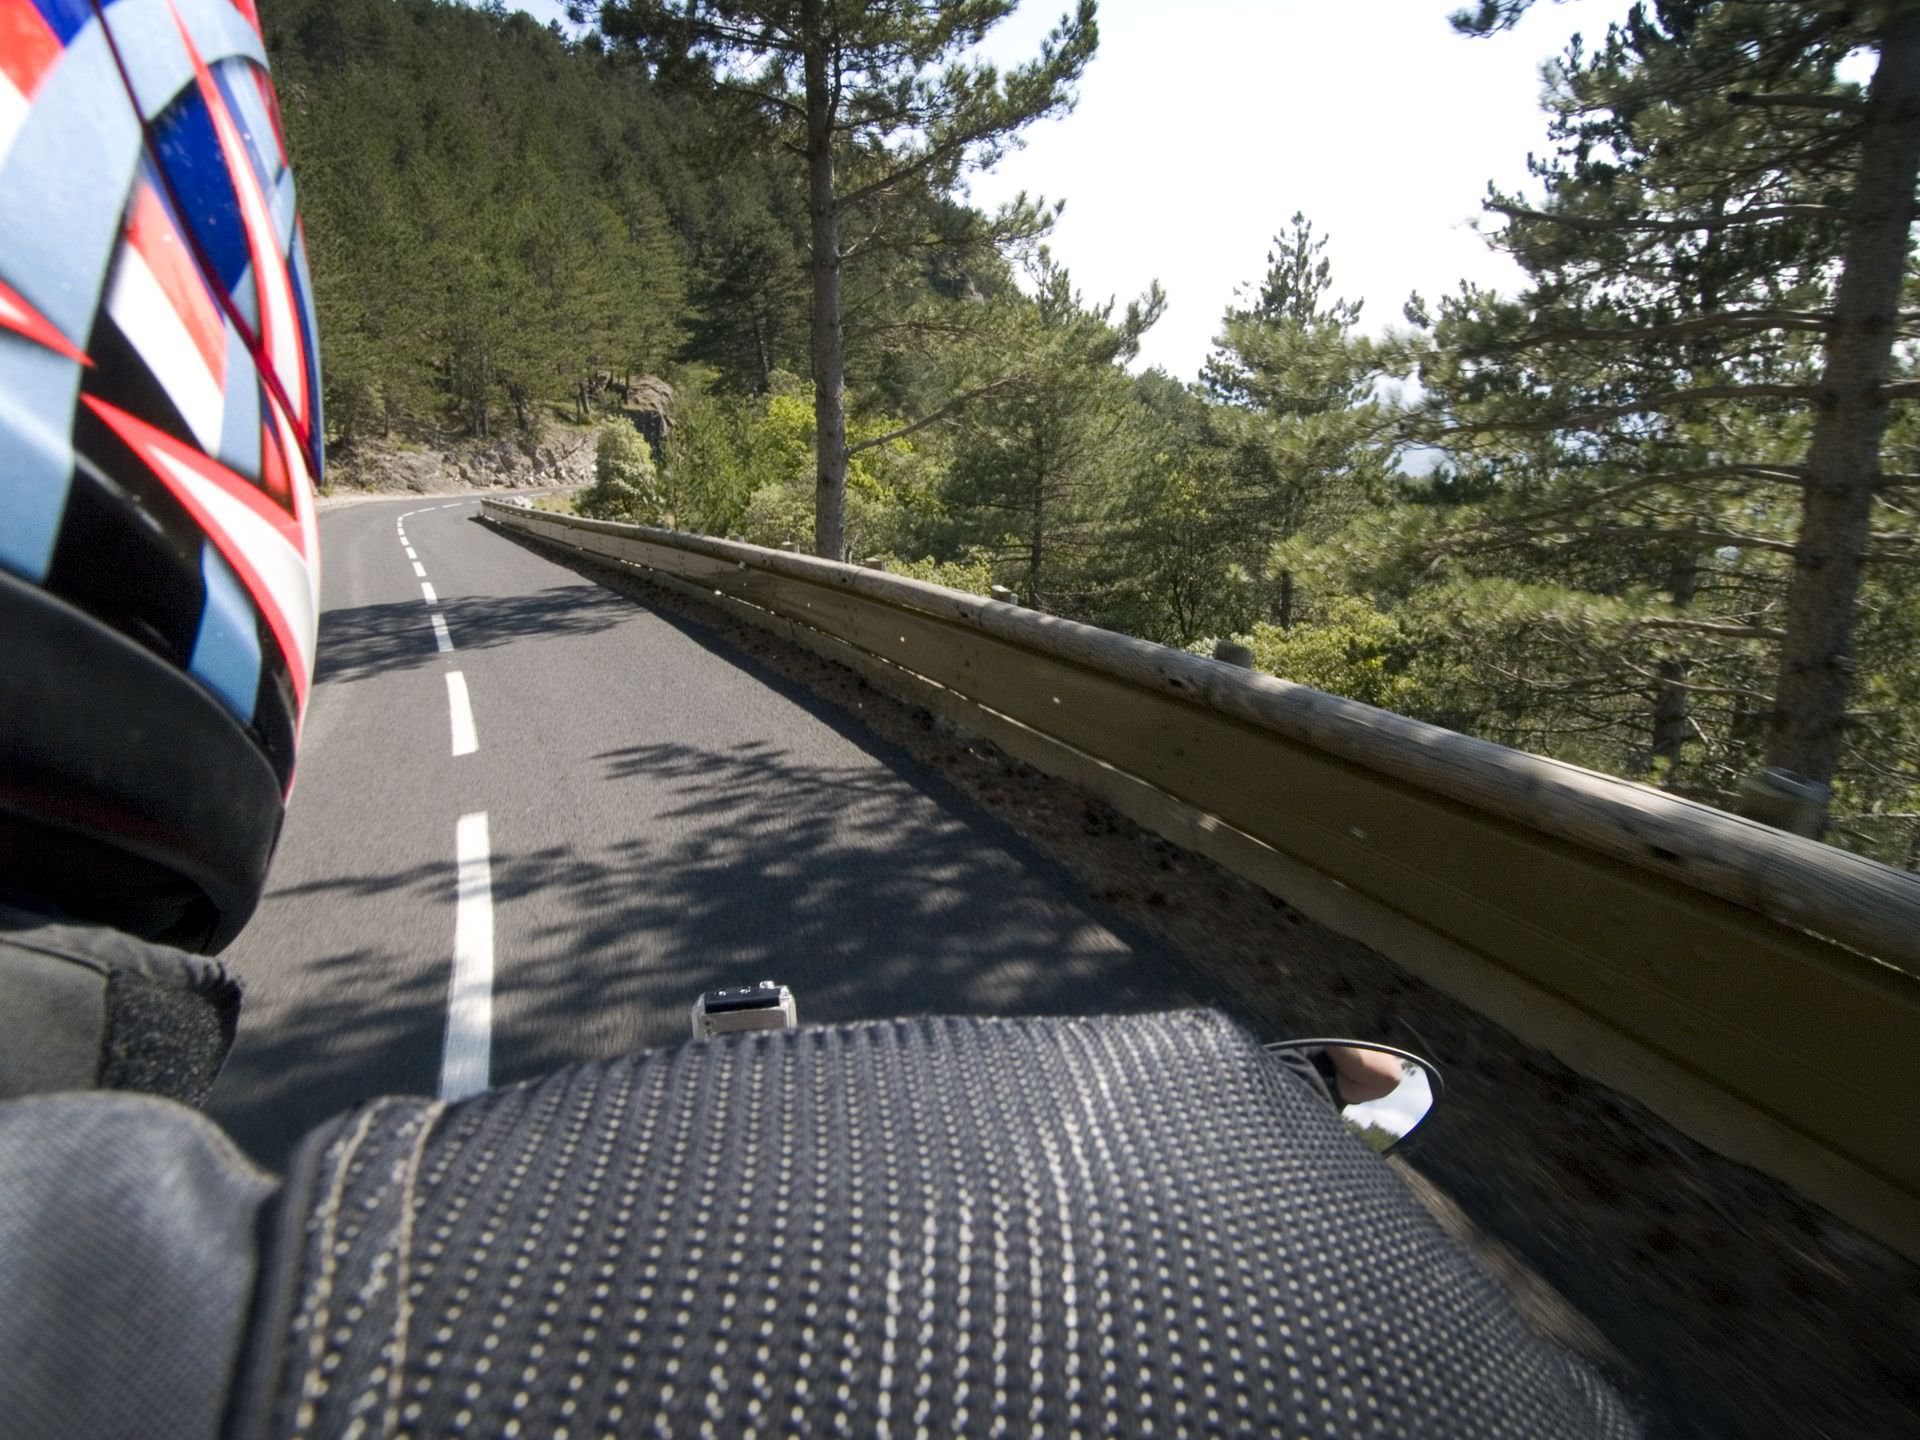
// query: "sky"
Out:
[1203,125]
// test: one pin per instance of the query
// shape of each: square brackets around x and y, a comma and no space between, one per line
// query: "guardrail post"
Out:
[1782,799]
[1232,652]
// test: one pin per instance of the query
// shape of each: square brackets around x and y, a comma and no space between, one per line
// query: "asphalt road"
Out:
[634,814]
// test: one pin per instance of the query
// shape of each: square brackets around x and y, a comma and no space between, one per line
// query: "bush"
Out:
[972,573]
[1347,648]
[779,514]
[625,486]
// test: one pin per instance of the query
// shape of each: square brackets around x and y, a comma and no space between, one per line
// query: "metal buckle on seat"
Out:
[766,1006]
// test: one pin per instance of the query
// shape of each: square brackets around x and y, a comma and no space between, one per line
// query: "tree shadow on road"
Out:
[872,887]
[866,895]
[370,640]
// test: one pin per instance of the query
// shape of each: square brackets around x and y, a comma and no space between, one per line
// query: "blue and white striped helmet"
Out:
[160,442]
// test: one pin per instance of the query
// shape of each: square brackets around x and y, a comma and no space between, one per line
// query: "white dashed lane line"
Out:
[465,739]
[468,1055]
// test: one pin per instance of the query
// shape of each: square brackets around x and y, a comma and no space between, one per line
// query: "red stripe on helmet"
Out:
[28,46]
[267,547]
[246,8]
[21,318]
[281,341]
[152,232]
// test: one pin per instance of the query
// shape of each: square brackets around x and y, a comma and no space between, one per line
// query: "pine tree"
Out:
[873,91]
[749,298]
[1188,566]
[1304,444]
[1260,357]
[1044,459]
[1707,344]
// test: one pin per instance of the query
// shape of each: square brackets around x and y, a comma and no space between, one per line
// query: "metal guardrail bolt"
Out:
[1784,800]
[1231,652]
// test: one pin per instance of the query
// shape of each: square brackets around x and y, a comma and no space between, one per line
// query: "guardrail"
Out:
[1759,990]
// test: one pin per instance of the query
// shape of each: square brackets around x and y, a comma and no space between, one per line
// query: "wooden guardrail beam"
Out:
[1795,881]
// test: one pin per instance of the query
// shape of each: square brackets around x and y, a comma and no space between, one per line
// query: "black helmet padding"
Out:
[129,797]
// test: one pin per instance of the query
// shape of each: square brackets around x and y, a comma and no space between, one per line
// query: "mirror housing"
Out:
[1382,1092]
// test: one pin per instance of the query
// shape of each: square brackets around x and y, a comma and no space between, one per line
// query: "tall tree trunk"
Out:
[1843,455]
[829,342]
[1670,708]
[1037,546]
[1039,457]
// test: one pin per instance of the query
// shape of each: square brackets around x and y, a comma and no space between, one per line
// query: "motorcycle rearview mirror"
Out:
[1383,1093]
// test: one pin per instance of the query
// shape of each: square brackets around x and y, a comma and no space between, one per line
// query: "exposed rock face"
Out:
[649,405]
[558,456]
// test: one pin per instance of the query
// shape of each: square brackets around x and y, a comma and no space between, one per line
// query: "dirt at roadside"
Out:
[1716,1298]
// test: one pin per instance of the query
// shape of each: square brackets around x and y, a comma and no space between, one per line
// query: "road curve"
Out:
[556,816]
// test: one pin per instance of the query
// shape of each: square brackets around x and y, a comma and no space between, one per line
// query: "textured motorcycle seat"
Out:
[1124,1226]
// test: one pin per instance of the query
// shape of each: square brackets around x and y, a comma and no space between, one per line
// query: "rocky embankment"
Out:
[559,456]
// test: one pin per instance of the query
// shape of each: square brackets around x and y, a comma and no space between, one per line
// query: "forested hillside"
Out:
[1654,514]
[495,217]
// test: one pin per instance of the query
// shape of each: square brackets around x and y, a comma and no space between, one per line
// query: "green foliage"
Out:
[1286,353]
[1045,453]
[1296,423]
[778,515]
[1187,572]
[731,459]
[709,474]
[499,220]
[744,465]
[1349,649]
[625,484]
[1601,567]
[884,105]
[1375,1137]
[1643,422]
[748,298]
[971,572]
